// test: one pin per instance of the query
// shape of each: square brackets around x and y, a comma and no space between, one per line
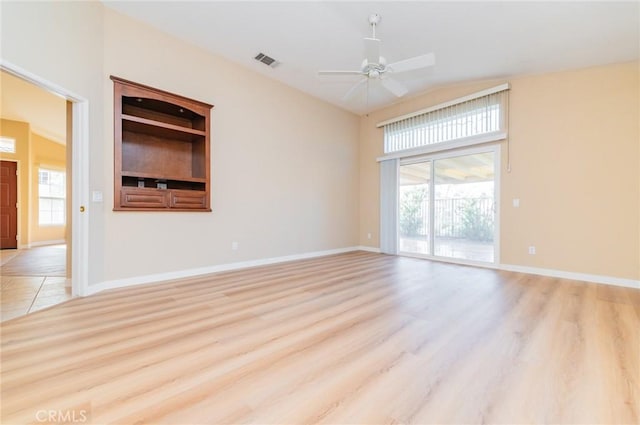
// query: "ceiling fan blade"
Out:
[372,50]
[416,62]
[394,87]
[349,94]
[339,72]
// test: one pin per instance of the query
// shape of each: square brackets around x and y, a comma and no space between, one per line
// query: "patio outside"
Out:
[463,210]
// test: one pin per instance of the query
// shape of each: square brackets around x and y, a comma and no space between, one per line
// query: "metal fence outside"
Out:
[469,218]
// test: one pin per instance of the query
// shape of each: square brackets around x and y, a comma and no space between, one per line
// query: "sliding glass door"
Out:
[464,209]
[447,206]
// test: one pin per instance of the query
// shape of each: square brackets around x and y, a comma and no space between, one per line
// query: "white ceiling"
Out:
[471,40]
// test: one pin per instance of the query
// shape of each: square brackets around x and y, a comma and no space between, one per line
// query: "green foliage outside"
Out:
[476,226]
[473,222]
[411,216]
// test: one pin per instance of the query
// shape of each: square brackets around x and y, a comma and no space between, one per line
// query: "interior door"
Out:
[8,205]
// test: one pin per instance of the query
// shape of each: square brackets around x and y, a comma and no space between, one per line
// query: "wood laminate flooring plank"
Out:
[353,338]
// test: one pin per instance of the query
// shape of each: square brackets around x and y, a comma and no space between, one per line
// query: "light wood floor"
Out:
[354,338]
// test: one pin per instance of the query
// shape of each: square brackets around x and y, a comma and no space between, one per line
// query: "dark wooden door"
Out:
[8,205]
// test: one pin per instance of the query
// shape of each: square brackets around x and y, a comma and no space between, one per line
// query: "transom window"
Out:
[475,118]
[7,145]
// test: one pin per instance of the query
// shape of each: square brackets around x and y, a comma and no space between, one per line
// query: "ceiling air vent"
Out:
[267,60]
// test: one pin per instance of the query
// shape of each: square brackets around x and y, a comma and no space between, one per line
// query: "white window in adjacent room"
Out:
[51,197]
[7,145]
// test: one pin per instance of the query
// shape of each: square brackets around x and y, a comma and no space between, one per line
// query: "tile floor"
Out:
[20,295]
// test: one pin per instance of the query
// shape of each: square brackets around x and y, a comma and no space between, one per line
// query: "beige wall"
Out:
[48,154]
[292,174]
[284,175]
[284,172]
[63,44]
[575,156]
[21,132]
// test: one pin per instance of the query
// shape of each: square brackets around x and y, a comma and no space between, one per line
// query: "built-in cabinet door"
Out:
[144,198]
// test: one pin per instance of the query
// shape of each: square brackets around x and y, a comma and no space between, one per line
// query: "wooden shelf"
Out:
[163,125]
[166,131]
[160,136]
[162,177]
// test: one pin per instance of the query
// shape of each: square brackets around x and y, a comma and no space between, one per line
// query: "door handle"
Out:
[81,208]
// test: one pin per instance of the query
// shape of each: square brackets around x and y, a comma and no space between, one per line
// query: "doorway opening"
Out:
[48,262]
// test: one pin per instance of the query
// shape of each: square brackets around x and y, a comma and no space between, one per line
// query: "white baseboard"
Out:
[180,274]
[368,249]
[585,277]
[594,278]
[45,243]
[161,277]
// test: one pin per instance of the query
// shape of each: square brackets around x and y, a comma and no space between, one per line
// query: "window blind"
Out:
[478,115]
[389,206]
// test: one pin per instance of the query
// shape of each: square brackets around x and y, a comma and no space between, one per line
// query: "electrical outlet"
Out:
[532,250]
[368,235]
[516,202]
[234,245]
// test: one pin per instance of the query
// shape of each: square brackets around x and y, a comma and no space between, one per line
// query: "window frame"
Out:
[52,198]
[494,148]
[451,143]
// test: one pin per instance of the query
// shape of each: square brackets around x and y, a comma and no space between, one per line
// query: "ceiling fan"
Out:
[375,67]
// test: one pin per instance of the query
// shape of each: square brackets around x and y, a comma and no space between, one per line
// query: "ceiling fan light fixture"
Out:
[376,67]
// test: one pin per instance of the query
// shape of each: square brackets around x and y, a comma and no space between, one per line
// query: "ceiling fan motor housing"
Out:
[374,65]
[374,70]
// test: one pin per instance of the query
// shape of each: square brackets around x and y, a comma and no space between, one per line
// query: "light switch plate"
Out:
[96,196]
